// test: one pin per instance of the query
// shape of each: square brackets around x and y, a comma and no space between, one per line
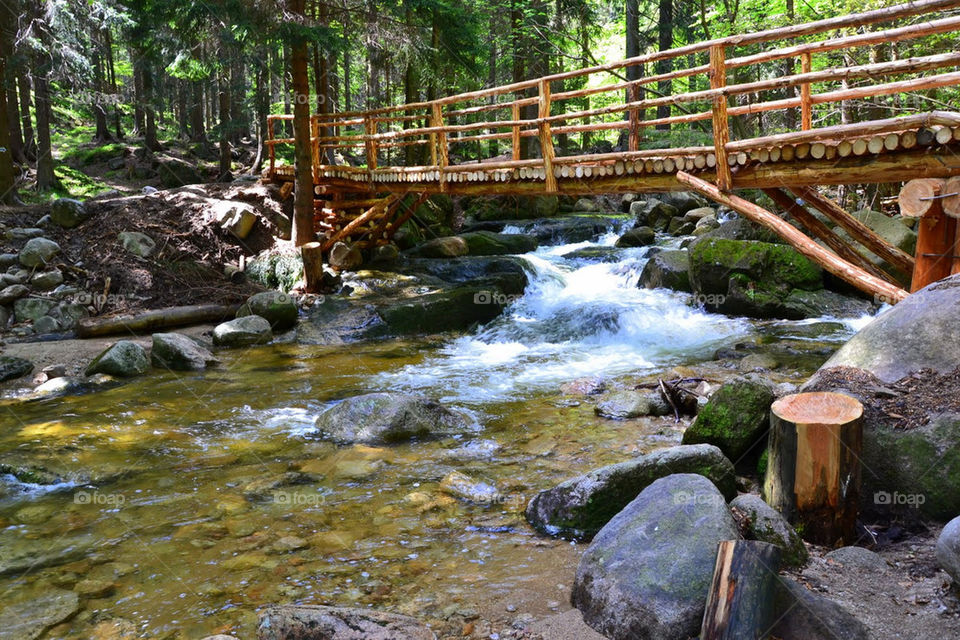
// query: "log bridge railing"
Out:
[449,139]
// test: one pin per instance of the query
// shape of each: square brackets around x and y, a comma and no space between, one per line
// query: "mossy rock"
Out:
[667,270]
[278,308]
[448,310]
[487,243]
[735,419]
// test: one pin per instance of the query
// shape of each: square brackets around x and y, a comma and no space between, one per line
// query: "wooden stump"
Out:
[740,603]
[312,255]
[936,231]
[813,467]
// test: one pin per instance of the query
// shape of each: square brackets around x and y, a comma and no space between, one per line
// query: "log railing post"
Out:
[515,115]
[633,139]
[440,154]
[272,153]
[546,137]
[370,125]
[721,124]
[806,104]
[315,147]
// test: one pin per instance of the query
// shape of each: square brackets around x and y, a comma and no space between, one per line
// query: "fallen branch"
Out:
[156,319]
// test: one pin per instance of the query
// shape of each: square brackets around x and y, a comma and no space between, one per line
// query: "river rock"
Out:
[764,523]
[384,255]
[279,268]
[12,367]
[487,243]
[7,260]
[743,229]
[237,218]
[178,352]
[646,574]
[857,558]
[624,405]
[735,418]
[306,622]
[578,508]
[68,314]
[30,309]
[243,331]
[653,213]
[38,252]
[460,485]
[123,359]
[445,309]
[30,619]
[47,279]
[345,257]
[909,336]
[18,554]
[13,293]
[684,201]
[139,244]
[279,309]
[447,247]
[387,417]
[68,213]
[668,270]
[750,278]
[803,615]
[948,549]
[637,237]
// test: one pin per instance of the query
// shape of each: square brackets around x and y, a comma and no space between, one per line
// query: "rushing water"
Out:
[194,499]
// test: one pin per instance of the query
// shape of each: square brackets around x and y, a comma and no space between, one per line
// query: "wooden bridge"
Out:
[445,145]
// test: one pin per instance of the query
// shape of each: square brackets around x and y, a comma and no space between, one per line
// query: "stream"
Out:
[195,499]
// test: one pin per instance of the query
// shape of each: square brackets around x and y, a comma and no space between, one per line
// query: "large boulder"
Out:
[764,523]
[684,201]
[68,213]
[280,268]
[139,244]
[910,336]
[487,243]
[646,574]
[743,229]
[444,310]
[653,213]
[123,359]
[750,278]
[387,417]
[948,549]
[38,252]
[578,508]
[735,418]
[243,331]
[446,247]
[180,353]
[667,270]
[32,309]
[278,308]
[313,622]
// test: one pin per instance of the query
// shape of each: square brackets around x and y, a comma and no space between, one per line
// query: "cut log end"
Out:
[917,196]
[951,200]
[818,408]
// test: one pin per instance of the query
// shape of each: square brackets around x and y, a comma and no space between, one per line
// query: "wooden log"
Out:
[740,602]
[861,232]
[852,274]
[936,237]
[813,468]
[918,196]
[149,321]
[826,234]
[721,123]
[951,197]
[908,139]
[312,255]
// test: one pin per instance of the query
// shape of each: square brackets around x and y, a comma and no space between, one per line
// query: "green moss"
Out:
[84,156]
[734,419]
[762,463]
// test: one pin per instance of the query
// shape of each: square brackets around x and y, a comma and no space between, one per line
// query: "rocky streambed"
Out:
[385,446]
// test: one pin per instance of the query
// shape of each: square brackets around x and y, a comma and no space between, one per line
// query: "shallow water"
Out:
[175,497]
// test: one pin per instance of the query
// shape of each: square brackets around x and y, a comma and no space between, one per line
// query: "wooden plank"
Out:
[515,134]
[721,123]
[740,602]
[830,262]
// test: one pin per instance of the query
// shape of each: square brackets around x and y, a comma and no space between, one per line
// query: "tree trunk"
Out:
[347,104]
[138,113]
[102,130]
[112,78]
[46,178]
[29,142]
[198,132]
[150,133]
[303,202]
[223,97]
[262,107]
[813,469]
[8,192]
[665,42]
[740,603]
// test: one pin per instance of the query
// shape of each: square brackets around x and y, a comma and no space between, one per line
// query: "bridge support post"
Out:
[546,137]
[866,282]
[721,123]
